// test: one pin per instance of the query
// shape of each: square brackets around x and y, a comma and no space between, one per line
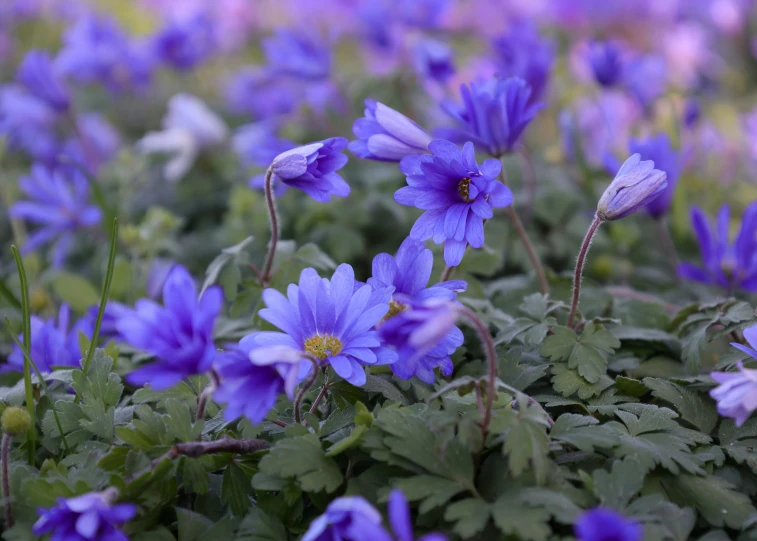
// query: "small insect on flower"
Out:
[736,393]
[602,524]
[456,193]
[636,185]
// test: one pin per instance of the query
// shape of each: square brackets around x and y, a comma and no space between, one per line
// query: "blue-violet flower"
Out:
[604,59]
[601,524]
[346,519]
[312,169]
[39,76]
[736,394]
[433,60]
[635,186]
[523,53]
[401,521]
[387,135]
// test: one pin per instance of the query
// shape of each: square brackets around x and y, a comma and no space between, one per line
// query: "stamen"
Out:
[464,189]
[321,346]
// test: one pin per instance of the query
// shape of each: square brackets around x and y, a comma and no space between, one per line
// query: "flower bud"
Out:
[15,420]
[636,184]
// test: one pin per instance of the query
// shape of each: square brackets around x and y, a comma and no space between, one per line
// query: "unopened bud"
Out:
[636,184]
[15,420]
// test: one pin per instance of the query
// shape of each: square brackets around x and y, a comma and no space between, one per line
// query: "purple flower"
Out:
[433,60]
[692,113]
[737,393]
[456,194]
[494,114]
[96,50]
[297,55]
[185,44]
[312,169]
[90,517]
[601,524]
[635,186]
[251,382]
[409,273]
[260,94]
[387,135]
[179,334]
[401,521]
[524,53]
[421,13]
[258,145]
[646,79]
[665,158]
[97,144]
[423,327]
[159,270]
[38,75]
[730,266]
[348,518]
[604,58]
[331,320]
[29,124]
[54,343]
[60,205]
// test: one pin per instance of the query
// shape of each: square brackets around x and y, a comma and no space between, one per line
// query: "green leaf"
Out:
[527,443]
[302,457]
[432,491]
[377,384]
[582,432]
[693,407]
[470,516]
[519,376]
[616,488]
[567,382]
[100,382]
[350,442]
[226,256]
[559,345]
[195,475]
[513,516]
[180,423]
[714,497]
[556,504]
[191,525]
[630,386]
[236,489]
[258,526]
[75,291]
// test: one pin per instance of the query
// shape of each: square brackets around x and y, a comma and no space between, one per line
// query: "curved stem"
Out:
[304,389]
[580,260]
[446,274]
[532,255]
[491,359]
[318,398]
[4,455]
[274,219]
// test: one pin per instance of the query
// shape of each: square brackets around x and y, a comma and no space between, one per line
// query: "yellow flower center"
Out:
[394,309]
[464,189]
[321,346]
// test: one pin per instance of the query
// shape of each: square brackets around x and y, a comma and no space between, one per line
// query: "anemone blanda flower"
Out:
[313,169]
[253,377]
[89,517]
[179,334]
[523,53]
[38,75]
[401,521]
[59,204]
[96,143]
[421,13]
[728,265]
[432,59]
[736,394]
[259,94]
[600,524]
[331,320]
[456,194]
[54,343]
[493,115]
[646,77]
[188,127]
[387,135]
[29,124]
[348,518]
[409,273]
[303,56]
[185,43]
[604,59]
[257,145]
[635,185]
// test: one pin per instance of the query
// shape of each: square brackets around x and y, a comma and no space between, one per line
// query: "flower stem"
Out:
[668,246]
[194,449]
[491,359]
[446,274]
[320,397]
[207,392]
[304,389]
[580,260]
[4,455]
[532,255]
[274,219]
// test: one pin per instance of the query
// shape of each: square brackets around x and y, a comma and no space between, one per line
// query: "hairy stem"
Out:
[274,219]
[491,359]
[195,449]
[530,251]
[447,273]
[4,455]
[304,389]
[320,397]
[580,260]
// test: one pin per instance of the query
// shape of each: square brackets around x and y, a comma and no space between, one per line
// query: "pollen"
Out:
[464,189]
[321,346]
[394,309]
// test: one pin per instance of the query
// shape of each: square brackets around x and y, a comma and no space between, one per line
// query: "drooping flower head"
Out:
[330,320]
[297,55]
[523,53]
[90,517]
[605,60]
[96,50]
[185,43]
[728,265]
[179,334]
[59,204]
[424,327]
[257,145]
[635,186]
[456,194]
[387,135]
[348,518]
[54,343]
[667,159]
[188,127]
[313,169]
[409,273]
[494,114]
[252,377]
[401,521]
[40,78]
[602,524]
[736,393]
[433,60]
